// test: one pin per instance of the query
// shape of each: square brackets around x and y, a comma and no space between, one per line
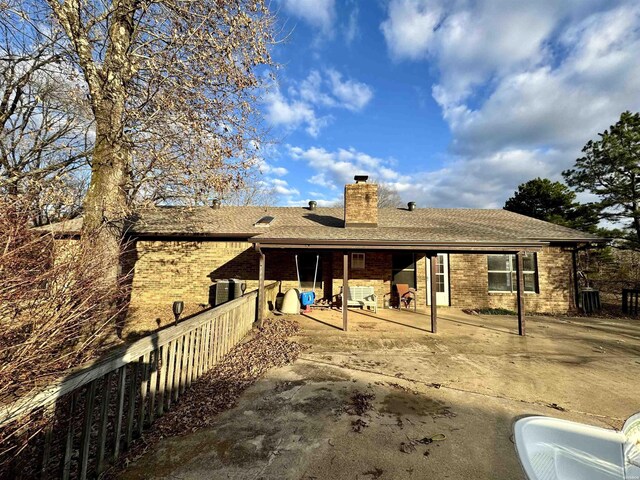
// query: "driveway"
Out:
[442,406]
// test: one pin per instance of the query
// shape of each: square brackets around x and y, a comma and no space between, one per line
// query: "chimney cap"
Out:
[361,178]
[411,206]
[312,204]
[215,204]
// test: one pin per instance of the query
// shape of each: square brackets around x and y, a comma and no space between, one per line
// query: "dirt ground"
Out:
[443,405]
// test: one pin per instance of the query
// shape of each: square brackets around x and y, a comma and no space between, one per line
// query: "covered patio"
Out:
[383,249]
[425,312]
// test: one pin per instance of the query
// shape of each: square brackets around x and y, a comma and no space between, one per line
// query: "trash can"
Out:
[589,300]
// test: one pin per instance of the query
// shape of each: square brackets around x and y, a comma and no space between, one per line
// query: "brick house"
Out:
[177,252]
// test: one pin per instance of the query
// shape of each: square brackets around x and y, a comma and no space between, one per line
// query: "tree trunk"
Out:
[636,224]
[105,205]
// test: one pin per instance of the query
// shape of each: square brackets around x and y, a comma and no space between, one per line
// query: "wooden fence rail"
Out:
[95,413]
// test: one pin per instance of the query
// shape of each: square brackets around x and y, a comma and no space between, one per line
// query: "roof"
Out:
[298,225]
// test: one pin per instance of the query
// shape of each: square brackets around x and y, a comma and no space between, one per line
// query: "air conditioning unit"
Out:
[220,292]
[235,288]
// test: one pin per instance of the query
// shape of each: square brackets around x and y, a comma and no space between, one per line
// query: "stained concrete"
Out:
[468,382]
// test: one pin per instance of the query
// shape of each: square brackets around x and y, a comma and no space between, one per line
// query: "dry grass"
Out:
[56,309]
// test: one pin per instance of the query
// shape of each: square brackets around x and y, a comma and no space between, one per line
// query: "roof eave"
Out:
[187,234]
[396,245]
[574,240]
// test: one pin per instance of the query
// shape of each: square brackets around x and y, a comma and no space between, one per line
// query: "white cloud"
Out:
[351,30]
[522,86]
[281,187]
[293,114]
[336,168]
[353,95]
[311,90]
[480,182]
[409,29]
[557,105]
[321,202]
[320,14]
[267,168]
[319,90]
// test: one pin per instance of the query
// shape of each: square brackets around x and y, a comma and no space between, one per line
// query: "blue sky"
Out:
[451,103]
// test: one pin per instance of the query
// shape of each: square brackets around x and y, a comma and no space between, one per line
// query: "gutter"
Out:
[395,245]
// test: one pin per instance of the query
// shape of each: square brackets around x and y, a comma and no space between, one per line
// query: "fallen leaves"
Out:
[359,425]
[411,445]
[555,406]
[407,447]
[359,403]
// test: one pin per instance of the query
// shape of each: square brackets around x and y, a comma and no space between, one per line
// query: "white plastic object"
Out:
[554,449]
[291,302]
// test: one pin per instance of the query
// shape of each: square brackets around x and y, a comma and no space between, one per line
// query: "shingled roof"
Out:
[301,225]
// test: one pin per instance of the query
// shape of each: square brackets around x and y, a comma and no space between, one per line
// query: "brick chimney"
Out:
[361,203]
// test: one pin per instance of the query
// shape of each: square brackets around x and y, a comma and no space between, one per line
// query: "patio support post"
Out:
[433,261]
[574,261]
[520,295]
[261,299]
[345,288]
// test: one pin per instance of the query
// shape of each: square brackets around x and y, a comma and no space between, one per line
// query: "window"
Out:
[264,221]
[357,261]
[403,269]
[440,273]
[502,273]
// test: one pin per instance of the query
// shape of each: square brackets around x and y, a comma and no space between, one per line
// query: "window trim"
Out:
[512,271]
[356,266]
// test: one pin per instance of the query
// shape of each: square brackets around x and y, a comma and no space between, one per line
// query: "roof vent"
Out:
[215,204]
[312,205]
[411,206]
[361,178]
[264,221]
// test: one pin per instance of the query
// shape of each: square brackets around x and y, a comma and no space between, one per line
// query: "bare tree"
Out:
[387,197]
[53,313]
[252,191]
[172,87]
[45,124]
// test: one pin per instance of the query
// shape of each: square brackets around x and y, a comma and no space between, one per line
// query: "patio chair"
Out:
[405,295]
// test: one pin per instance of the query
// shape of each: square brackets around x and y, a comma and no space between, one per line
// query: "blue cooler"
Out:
[307,298]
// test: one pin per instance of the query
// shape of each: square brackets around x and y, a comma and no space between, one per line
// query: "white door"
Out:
[442,280]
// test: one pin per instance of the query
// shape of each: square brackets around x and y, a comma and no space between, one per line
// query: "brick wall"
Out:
[469,284]
[164,271]
[361,204]
[377,273]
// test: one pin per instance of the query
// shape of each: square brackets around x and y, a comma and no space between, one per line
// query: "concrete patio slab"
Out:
[469,382]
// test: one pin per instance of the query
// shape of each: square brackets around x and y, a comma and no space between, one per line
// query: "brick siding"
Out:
[377,273]
[469,283]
